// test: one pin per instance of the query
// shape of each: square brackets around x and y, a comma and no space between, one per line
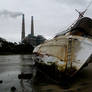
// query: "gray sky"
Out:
[50,16]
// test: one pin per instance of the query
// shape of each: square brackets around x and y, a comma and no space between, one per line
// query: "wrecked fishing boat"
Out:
[68,52]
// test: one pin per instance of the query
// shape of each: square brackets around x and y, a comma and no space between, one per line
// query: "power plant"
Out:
[32,26]
[30,38]
[23,28]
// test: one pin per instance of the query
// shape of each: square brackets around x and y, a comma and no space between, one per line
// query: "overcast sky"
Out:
[50,16]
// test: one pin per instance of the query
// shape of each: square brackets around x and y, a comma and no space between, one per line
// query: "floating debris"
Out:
[25,76]
[13,89]
[1,81]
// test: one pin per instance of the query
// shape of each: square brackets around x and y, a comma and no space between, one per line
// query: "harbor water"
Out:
[13,65]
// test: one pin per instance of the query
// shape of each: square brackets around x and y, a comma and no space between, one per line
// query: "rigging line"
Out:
[88,5]
[81,14]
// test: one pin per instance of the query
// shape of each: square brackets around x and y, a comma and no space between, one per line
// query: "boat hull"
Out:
[63,56]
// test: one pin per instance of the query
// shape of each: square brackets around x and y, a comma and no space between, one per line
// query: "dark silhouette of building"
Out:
[31,38]
[23,28]
[32,26]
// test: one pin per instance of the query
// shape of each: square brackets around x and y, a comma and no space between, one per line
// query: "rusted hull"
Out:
[68,54]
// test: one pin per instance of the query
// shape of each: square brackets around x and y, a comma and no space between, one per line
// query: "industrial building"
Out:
[30,38]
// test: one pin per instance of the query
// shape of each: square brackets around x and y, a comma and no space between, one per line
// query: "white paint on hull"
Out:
[56,51]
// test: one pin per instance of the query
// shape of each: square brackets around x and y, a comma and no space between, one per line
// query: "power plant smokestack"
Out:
[32,26]
[23,28]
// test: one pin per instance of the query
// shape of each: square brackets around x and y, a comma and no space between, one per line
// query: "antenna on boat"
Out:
[81,14]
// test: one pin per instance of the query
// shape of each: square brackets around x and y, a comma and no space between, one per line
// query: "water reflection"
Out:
[13,65]
[26,70]
[10,67]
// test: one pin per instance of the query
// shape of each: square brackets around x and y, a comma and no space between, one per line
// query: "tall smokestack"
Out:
[23,28]
[32,26]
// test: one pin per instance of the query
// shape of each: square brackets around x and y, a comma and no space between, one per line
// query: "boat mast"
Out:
[68,49]
[81,14]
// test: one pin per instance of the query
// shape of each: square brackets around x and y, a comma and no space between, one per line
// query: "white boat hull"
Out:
[68,53]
